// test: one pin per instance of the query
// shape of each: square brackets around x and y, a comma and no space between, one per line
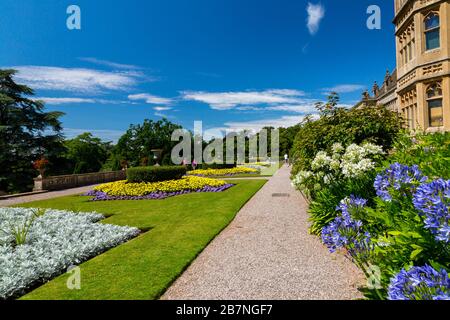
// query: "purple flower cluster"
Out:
[345,232]
[432,200]
[102,196]
[349,204]
[420,283]
[398,177]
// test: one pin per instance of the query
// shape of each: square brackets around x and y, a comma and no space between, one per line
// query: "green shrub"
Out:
[155,174]
[322,209]
[431,152]
[376,125]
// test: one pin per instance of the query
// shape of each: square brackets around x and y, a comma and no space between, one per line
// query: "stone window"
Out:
[432,31]
[407,44]
[434,102]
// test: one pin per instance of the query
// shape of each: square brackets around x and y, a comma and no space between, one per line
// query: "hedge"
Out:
[155,174]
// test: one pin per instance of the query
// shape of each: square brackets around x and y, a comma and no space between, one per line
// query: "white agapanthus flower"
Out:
[322,160]
[351,162]
[337,148]
[301,178]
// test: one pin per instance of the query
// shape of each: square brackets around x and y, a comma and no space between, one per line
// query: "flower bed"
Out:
[37,245]
[223,172]
[399,234]
[122,190]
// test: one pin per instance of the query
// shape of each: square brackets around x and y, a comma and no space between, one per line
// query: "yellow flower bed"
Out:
[123,188]
[223,172]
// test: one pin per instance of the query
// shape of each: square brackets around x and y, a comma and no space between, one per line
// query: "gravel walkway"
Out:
[267,253]
[44,196]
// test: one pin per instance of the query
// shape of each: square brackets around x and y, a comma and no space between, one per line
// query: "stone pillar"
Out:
[446,102]
[38,184]
[422,107]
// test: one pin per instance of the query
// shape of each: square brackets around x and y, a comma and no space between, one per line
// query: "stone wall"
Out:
[77,180]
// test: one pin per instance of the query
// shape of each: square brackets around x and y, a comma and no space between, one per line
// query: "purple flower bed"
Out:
[420,283]
[102,196]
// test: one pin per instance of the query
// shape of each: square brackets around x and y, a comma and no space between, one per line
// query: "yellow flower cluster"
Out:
[123,188]
[259,164]
[223,172]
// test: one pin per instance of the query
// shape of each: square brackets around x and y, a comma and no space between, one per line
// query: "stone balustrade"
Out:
[76,180]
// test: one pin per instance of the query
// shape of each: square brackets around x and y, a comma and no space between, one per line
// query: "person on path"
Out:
[286,159]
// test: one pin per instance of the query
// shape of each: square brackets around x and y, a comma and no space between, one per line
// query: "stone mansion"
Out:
[419,88]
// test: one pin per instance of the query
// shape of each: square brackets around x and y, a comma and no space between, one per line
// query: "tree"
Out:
[87,153]
[137,143]
[27,133]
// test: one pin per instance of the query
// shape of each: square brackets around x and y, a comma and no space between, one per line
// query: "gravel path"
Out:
[267,253]
[44,196]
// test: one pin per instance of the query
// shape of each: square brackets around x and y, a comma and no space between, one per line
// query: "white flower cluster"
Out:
[357,159]
[53,242]
[351,162]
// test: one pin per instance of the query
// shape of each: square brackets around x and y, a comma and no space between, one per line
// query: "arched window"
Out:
[434,101]
[432,31]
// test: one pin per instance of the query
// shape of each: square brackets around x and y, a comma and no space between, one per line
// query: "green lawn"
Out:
[179,228]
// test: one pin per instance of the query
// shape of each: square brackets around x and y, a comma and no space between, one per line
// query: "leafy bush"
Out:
[375,124]
[430,152]
[408,226]
[155,174]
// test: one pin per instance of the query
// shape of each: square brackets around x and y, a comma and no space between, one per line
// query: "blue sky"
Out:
[229,63]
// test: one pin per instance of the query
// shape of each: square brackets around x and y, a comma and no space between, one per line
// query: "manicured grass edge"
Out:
[212,239]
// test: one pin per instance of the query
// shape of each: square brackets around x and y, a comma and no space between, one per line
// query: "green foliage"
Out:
[346,126]
[431,152]
[399,236]
[155,174]
[20,232]
[140,139]
[27,133]
[322,209]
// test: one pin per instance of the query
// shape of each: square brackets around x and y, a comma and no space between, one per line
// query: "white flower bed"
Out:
[344,163]
[54,242]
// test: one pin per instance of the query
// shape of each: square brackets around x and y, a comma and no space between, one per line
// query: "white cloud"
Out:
[230,100]
[149,98]
[162,108]
[109,63]
[345,88]
[105,135]
[64,100]
[75,79]
[252,126]
[316,12]
[303,108]
[59,101]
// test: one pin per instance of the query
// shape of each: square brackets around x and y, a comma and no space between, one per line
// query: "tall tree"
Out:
[87,153]
[26,133]
[136,144]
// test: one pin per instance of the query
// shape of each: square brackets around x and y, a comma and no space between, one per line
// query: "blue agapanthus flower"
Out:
[349,204]
[420,283]
[398,177]
[432,200]
[345,232]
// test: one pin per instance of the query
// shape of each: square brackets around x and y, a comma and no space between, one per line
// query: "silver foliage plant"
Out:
[55,241]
